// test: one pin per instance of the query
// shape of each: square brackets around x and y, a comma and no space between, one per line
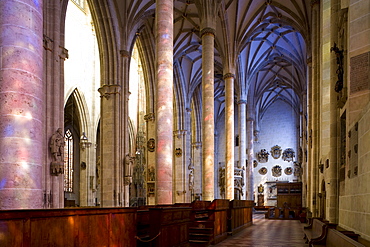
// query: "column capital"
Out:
[107,90]
[179,133]
[241,102]
[229,75]
[207,31]
[149,117]
[197,145]
[124,53]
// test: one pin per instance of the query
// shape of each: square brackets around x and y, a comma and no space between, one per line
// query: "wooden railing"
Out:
[160,225]
[68,227]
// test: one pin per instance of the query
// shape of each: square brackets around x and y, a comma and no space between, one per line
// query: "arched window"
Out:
[68,161]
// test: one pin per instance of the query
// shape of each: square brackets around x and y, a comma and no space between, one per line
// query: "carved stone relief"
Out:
[276,151]
[276,171]
[263,156]
[57,152]
[288,154]
[262,171]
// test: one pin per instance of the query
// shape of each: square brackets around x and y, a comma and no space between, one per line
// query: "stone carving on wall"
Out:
[222,181]
[178,152]
[239,179]
[288,154]
[276,171]
[191,174]
[57,152]
[151,174]
[263,156]
[98,171]
[262,171]
[151,145]
[298,170]
[276,151]
[288,171]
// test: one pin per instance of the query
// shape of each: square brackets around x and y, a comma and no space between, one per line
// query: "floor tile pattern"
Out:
[268,233]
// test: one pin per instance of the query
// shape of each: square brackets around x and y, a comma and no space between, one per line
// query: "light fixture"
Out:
[84,141]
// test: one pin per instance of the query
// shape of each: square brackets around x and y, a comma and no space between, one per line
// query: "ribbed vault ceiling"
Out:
[263,42]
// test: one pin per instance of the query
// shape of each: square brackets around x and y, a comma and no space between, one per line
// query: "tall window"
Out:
[68,161]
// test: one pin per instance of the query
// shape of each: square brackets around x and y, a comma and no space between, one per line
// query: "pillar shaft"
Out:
[164,116]
[250,156]
[21,113]
[242,139]
[229,126]
[110,103]
[208,124]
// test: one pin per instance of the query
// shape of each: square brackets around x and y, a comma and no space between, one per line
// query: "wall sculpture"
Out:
[288,154]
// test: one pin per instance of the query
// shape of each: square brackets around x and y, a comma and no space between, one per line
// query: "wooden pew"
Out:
[315,231]
[68,227]
[335,238]
[239,215]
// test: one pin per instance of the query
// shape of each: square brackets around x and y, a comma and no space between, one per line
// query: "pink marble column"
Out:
[229,126]
[164,100]
[208,124]
[21,112]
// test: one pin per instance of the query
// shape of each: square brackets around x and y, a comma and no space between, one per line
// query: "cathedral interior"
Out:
[126,103]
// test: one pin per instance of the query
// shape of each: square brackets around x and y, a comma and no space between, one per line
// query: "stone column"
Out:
[164,100]
[250,153]
[110,101]
[229,127]
[243,140]
[331,176]
[208,124]
[22,99]
[313,113]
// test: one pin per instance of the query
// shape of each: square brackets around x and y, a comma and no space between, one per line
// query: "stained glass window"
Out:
[68,161]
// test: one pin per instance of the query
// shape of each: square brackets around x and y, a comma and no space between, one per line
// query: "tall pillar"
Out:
[243,140]
[109,128]
[164,100]
[332,172]
[53,62]
[22,98]
[208,124]
[314,113]
[229,127]
[250,153]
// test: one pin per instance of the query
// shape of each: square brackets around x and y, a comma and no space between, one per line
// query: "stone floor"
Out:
[268,233]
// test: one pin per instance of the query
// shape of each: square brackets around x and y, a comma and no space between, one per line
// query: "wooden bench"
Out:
[315,231]
[335,238]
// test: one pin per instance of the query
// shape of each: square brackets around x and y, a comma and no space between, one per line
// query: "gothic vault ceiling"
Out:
[265,43]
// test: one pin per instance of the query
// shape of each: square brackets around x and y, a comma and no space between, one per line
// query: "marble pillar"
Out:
[22,98]
[229,128]
[243,140]
[208,124]
[164,100]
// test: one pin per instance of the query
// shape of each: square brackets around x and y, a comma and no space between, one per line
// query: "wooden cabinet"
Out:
[289,194]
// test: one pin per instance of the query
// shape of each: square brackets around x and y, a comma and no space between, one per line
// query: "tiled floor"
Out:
[268,233]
